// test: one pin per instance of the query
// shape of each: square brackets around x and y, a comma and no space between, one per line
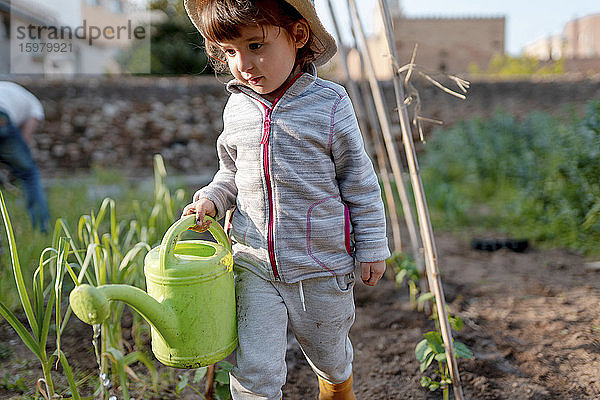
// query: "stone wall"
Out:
[516,97]
[121,123]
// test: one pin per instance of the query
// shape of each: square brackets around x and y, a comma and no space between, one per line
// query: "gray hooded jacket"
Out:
[307,199]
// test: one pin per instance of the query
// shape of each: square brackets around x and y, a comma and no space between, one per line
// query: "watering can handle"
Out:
[171,237]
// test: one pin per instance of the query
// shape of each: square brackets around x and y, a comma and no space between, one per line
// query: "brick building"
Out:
[444,44]
[582,37]
[578,45]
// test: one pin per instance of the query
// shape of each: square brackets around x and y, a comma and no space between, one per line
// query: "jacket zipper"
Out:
[265,143]
[347,230]
[270,234]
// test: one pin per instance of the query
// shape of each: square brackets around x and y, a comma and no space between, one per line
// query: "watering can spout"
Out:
[91,305]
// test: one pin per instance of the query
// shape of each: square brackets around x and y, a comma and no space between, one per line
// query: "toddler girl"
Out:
[307,200]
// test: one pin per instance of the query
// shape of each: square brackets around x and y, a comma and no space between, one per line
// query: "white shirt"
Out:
[18,103]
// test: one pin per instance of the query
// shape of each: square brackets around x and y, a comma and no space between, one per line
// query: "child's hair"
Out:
[222,20]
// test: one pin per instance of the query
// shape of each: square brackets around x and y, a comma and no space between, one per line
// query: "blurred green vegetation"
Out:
[538,178]
[509,66]
[176,47]
[105,225]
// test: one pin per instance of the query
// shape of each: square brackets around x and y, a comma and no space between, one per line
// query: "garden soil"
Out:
[532,320]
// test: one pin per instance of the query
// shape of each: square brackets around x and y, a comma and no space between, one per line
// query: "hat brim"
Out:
[323,43]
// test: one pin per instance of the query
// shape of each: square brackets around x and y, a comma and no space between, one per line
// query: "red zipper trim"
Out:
[270,234]
[266,166]
[347,232]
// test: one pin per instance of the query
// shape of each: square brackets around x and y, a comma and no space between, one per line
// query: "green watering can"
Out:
[190,302]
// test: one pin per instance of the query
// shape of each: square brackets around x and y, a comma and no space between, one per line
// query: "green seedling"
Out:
[184,381]
[218,387]
[222,391]
[406,269]
[432,349]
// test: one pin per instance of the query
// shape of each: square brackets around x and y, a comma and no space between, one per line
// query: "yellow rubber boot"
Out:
[336,391]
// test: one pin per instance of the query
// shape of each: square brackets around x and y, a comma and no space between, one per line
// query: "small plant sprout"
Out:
[405,268]
[217,381]
[432,349]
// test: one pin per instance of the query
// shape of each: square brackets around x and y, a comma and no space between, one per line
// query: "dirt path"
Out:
[532,320]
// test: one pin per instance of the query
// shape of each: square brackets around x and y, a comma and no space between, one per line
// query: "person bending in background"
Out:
[20,114]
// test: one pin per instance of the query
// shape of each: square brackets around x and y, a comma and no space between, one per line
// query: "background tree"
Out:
[176,47]
[506,65]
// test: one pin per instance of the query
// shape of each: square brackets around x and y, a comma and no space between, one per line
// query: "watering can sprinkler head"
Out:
[89,304]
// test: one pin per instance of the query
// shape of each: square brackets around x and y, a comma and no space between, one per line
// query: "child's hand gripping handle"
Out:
[171,237]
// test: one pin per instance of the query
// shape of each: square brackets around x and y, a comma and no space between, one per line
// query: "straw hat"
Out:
[324,45]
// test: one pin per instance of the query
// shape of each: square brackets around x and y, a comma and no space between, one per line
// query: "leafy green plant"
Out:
[222,391]
[115,259]
[68,198]
[38,305]
[405,268]
[432,349]
[156,218]
[114,250]
[538,177]
[13,382]
[217,381]
[5,352]
[184,381]
[107,257]
[108,247]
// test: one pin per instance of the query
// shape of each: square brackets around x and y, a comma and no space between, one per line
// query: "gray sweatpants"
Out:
[264,309]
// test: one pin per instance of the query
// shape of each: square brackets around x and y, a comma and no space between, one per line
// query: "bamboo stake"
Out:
[416,246]
[372,133]
[422,210]
[210,382]
[387,134]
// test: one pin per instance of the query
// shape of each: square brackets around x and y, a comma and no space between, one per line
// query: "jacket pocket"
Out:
[345,283]
[328,232]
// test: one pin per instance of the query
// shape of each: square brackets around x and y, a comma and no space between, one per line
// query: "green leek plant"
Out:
[37,305]
[115,251]
[113,260]
[106,249]
[217,386]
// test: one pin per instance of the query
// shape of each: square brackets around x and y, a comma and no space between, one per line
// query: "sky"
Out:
[526,20]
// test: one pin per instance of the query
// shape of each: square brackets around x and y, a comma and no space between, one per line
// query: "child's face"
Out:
[262,61]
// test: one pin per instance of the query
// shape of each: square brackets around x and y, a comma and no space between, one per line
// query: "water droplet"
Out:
[95,344]
[106,382]
[102,375]
[112,398]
